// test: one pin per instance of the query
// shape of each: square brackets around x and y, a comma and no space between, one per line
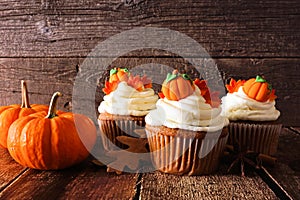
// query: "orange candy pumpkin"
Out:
[258,89]
[8,114]
[118,75]
[177,86]
[51,141]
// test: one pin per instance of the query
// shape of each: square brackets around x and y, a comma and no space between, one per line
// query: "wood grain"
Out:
[159,186]
[287,169]
[79,182]
[224,28]
[9,169]
[295,129]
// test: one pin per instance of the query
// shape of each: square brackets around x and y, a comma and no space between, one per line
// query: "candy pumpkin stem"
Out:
[25,99]
[113,71]
[53,105]
[260,79]
[175,71]
[172,76]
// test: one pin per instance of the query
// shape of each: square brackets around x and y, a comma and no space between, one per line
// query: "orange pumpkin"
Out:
[177,86]
[8,114]
[51,141]
[258,89]
[118,75]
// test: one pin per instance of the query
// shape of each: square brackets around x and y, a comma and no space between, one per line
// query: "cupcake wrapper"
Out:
[260,138]
[186,155]
[111,128]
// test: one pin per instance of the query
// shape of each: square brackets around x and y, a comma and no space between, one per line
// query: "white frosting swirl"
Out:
[238,106]
[126,100]
[190,113]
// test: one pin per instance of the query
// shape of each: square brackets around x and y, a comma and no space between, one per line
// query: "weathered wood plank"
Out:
[224,28]
[9,169]
[79,182]
[296,129]
[58,74]
[159,186]
[287,169]
[43,77]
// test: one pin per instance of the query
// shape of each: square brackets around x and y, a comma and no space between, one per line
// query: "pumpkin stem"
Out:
[260,79]
[113,71]
[175,71]
[24,92]
[53,105]
[172,76]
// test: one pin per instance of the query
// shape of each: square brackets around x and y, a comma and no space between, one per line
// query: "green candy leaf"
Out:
[260,79]
[125,70]
[171,77]
[186,77]
[113,71]
[270,87]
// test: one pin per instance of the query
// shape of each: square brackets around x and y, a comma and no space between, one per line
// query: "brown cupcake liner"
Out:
[112,126]
[178,154]
[257,137]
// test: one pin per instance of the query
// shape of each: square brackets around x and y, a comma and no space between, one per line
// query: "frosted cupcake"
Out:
[127,100]
[186,132]
[250,107]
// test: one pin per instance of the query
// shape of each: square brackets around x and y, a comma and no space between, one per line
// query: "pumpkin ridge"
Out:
[174,91]
[37,125]
[25,112]
[261,95]
[69,123]
[56,138]
[253,90]
[26,150]
[7,117]
[248,84]
[15,133]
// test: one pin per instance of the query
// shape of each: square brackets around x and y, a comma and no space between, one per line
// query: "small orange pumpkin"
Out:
[258,89]
[118,75]
[8,114]
[51,141]
[177,86]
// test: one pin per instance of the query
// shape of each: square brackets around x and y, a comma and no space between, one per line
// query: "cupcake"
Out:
[186,133]
[250,108]
[127,100]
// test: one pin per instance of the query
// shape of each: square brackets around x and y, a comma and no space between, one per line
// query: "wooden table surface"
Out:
[90,181]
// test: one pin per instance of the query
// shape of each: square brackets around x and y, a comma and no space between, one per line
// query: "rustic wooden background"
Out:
[45,42]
